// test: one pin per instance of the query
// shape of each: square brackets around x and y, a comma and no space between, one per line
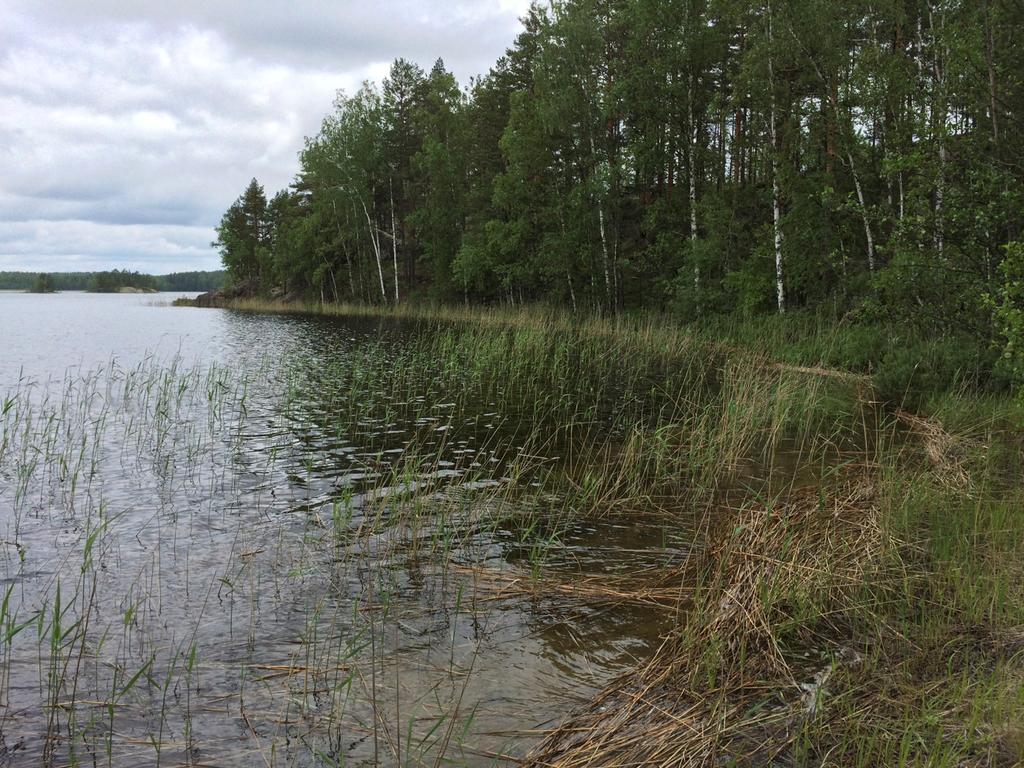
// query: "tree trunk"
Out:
[394,236]
[601,228]
[939,123]
[692,173]
[780,289]
[344,248]
[990,63]
[375,242]
[863,213]
[899,181]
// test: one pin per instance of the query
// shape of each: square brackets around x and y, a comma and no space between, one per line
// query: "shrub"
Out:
[911,371]
[860,348]
[1008,310]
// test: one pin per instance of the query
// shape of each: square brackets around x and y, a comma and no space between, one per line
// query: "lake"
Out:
[250,539]
[47,335]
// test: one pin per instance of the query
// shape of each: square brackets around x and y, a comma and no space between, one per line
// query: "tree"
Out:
[402,95]
[440,173]
[242,238]
[43,284]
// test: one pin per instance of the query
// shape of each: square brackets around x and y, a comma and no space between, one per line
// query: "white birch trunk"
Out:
[940,193]
[394,236]
[693,184]
[375,242]
[780,289]
[600,222]
[348,257]
[990,64]
[863,213]
[899,179]
[939,113]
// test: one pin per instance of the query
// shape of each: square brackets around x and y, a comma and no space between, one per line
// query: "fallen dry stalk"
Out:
[722,691]
[943,449]
[655,590]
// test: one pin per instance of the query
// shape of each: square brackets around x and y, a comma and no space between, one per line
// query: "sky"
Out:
[127,127]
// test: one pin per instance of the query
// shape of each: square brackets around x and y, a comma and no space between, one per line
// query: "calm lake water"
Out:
[202,565]
[45,336]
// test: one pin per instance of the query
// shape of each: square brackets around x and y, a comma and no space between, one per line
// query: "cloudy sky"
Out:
[128,126]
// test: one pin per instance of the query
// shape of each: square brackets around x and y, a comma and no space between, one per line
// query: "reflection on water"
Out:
[228,540]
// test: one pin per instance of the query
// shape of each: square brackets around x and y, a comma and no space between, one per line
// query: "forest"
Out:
[693,157]
[110,280]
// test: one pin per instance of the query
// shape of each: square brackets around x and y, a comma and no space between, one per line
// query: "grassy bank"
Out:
[836,579]
[906,368]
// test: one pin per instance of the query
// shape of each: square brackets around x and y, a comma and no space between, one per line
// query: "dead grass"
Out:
[662,588]
[797,650]
[724,688]
[945,451]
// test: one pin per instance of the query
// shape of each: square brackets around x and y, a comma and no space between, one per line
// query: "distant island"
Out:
[43,284]
[122,281]
[111,281]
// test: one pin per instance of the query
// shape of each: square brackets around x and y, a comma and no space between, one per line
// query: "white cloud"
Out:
[73,245]
[127,128]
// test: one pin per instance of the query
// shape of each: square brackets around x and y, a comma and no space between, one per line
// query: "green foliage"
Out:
[860,348]
[242,237]
[906,367]
[676,156]
[191,281]
[43,284]
[80,281]
[911,371]
[116,279]
[438,168]
[1008,306]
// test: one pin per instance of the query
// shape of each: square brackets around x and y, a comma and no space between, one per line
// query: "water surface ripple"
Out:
[225,541]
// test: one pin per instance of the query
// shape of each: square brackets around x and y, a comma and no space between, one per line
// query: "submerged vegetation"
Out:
[430,540]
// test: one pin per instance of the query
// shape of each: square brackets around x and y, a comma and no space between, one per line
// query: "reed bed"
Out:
[325,560]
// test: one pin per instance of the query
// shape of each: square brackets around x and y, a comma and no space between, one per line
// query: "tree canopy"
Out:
[692,156]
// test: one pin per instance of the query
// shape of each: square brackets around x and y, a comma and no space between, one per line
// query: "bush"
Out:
[860,348]
[1008,309]
[911,371]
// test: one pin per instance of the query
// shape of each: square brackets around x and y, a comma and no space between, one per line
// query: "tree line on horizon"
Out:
[110,281]
[692,156]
